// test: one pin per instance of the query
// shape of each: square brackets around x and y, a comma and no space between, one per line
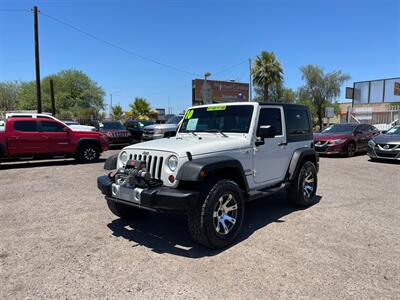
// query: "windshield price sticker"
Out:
[214,108]
[189,114]
[192,124]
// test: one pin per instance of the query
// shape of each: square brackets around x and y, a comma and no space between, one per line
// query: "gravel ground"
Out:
[59,240]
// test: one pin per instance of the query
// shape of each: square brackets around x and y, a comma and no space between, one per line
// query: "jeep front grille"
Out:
[153,163]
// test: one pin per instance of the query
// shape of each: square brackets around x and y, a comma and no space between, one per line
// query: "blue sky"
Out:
[361,38]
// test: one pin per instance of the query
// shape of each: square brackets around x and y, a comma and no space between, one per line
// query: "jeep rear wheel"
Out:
[88,153]
[125,211]
[217,219]
[304,187]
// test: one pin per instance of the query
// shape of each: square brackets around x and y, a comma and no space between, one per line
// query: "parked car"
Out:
[76,126]
[135,129]
[346,139]
[223,156]
[39,137]
[159,131]
[116,133]
[385,146]
[71,124]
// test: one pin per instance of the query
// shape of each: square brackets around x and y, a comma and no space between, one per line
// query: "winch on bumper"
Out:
[132,186]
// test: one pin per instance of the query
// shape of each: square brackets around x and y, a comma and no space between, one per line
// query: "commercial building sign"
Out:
[213,91]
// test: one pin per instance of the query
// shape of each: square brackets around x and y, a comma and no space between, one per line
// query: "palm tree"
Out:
[140,107]
[267,71]
[117,112]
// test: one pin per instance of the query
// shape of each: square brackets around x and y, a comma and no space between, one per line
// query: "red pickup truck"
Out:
[45,137]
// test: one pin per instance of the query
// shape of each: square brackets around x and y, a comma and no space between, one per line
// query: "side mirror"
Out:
[384,131]
[266,131]
[359,132]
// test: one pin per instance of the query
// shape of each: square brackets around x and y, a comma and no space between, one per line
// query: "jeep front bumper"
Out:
[156,199]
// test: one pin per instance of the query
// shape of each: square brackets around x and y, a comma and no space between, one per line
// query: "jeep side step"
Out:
[254,195]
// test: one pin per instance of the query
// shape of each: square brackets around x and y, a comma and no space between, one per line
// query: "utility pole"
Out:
[53,103]
[37,63]
[250,87]
[111,105]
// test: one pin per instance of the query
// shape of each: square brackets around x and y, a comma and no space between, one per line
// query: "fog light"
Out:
[171,178]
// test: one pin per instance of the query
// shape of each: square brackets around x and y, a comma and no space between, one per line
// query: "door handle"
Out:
[282,144]
[45,137]
[15,137]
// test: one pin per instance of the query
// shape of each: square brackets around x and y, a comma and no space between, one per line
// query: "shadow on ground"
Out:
[41,163]
[168,233]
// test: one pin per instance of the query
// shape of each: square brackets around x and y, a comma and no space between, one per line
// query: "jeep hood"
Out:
[195,145]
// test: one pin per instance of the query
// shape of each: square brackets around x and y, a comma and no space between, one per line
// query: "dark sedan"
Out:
[116,133]
[346,139]
[385,146]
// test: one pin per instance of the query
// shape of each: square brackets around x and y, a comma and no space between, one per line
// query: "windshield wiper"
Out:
[216,131]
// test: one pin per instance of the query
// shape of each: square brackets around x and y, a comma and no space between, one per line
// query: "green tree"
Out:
[140,107]
[76,95]
[267,73]
[8,95]
[320,90]
[117,112]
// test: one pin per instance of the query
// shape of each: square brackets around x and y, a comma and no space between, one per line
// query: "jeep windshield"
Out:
[222,118]
[109,126]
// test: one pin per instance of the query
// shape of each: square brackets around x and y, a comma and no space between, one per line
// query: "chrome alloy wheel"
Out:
[308,184]
[225,214]
[89,154]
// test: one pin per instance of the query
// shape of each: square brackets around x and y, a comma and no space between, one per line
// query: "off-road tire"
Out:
[201,217]
[295,193]
[126,212]
[351,149]
[88,153]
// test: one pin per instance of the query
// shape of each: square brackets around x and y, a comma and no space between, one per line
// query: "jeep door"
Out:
[271,158]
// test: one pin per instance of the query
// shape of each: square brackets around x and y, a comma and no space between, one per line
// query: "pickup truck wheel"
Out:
[302,190]
[217,219]
[125,211]
[88,153]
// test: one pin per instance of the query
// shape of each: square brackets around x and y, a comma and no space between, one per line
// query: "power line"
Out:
[13,10]
[119,47]
[231,67]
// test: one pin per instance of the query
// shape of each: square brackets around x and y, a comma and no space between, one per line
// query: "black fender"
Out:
[298,157]
[222,166]
[88,141]
[111,162]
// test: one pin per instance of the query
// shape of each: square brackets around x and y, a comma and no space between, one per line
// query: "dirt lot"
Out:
[59,240]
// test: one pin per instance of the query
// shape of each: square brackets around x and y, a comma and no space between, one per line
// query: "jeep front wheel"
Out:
[88,153]
[217,219]
[303,188]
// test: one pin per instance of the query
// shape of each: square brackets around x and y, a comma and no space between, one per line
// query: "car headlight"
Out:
[158,131]
[172,163]
[371,143]
[336,142]
[124,157]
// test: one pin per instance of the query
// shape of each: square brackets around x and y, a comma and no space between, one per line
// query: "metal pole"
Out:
[53,103]
[37,63]
[250,86]
[111,105]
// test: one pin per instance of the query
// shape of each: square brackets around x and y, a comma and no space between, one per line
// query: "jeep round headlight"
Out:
[123,157]
[172,163]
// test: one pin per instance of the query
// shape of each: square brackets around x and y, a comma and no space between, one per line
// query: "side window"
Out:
[48,126]
[363,128]
[25,126]
[297,122]
[271,116]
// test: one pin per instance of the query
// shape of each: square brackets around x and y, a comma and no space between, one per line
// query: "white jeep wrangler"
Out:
[222,156]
